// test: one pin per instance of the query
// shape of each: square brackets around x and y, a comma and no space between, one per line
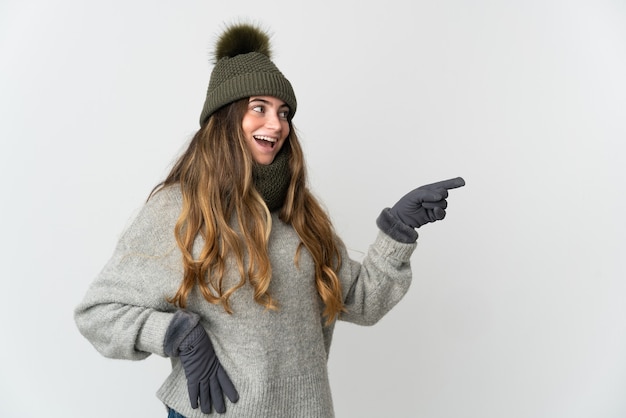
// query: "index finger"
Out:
[447,184]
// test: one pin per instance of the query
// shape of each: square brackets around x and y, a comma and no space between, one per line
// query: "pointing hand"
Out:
[426,203]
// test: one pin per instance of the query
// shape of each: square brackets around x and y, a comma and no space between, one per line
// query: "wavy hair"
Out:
[221,205]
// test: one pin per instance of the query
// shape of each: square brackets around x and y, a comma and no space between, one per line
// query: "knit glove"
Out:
[206,378]
[426,203]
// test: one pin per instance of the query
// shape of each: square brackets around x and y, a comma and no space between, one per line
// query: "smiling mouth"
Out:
[265,141]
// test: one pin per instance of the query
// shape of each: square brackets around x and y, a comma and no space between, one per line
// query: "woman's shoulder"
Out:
[166,198]
[163,205]
[155,221]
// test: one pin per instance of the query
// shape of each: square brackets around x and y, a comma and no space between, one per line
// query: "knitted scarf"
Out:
[272,181]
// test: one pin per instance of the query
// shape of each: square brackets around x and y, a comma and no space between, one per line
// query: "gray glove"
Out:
[426,203]
[206,378]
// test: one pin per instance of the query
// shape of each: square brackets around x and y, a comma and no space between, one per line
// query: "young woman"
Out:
[232,268]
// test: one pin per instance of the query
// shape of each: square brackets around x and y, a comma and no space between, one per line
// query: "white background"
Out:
[517,308]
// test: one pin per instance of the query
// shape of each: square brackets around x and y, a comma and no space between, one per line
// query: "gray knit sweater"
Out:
[276,359]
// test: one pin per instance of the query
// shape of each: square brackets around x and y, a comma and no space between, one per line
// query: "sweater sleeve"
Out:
[124,313]
[376,285]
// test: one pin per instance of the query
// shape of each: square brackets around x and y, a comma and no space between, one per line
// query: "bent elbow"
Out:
[100,330]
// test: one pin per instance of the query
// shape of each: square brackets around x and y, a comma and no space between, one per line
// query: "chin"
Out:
[264,160]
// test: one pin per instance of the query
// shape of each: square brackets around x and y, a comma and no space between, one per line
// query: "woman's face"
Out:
[265,127]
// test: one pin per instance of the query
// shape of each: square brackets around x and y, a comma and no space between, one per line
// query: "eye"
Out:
[258,108]
[283,114]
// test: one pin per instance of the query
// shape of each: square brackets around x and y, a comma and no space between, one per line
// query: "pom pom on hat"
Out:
[243,68]
[241,39]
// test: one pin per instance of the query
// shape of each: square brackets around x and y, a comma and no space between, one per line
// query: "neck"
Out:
[272,180]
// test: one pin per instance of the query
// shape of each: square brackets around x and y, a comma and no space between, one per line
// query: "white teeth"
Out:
[265,138]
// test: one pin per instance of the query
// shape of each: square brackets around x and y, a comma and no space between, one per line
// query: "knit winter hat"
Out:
[243,68]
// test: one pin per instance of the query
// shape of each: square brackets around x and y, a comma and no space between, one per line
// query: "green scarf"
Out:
[272,181]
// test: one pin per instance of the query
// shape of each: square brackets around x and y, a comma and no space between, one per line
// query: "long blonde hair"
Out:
[216,180]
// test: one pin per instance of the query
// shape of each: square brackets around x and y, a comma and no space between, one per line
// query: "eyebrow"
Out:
[258,99]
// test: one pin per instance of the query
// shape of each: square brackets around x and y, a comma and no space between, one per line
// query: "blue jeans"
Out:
[174,414]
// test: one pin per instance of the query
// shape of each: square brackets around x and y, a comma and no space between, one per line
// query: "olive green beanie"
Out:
[243,68]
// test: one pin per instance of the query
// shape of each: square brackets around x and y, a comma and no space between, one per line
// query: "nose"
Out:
[272,121]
